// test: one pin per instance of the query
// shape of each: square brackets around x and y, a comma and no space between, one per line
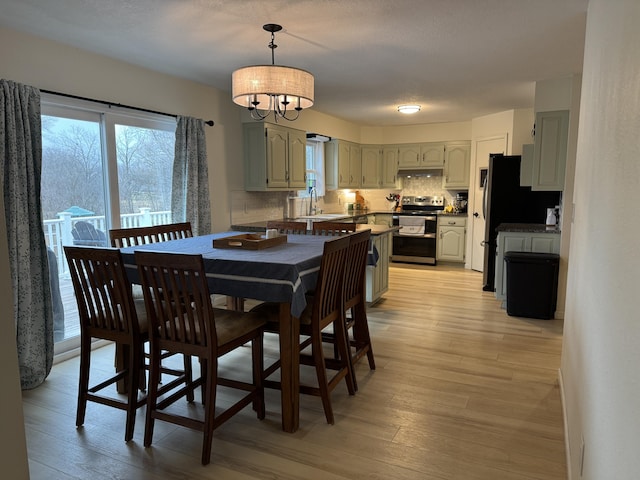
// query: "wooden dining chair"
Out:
[332,228]
[183,320]
[108,311]
[325,310]
[288,227]
[128,237]
[355,304]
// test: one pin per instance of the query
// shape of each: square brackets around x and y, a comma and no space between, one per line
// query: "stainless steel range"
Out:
[415,241]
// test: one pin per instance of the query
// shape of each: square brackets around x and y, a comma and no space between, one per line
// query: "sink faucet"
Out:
[313,208]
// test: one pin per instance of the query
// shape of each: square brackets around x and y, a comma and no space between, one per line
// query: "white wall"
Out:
[13,447]
[601,350]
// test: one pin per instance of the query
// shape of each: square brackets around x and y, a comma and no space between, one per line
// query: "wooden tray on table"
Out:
[249,241]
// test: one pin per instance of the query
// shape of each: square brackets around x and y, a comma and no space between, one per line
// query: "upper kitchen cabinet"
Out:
[371,165]
[389,172]
[274,157]
[421,156]
[343,164]
[550,150]
[432,155]
[409,156]
[457,158]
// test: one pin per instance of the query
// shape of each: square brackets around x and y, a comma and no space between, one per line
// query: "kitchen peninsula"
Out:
[377,276]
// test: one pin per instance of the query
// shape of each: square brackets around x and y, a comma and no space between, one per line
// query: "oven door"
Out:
[415,248]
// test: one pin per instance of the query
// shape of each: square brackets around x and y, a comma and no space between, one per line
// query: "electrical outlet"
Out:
[581,455]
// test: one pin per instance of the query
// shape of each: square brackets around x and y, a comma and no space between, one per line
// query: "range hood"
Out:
[423,172]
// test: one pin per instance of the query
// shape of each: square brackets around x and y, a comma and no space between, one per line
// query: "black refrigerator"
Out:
[505,201]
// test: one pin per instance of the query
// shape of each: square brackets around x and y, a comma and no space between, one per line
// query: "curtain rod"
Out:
[112,104]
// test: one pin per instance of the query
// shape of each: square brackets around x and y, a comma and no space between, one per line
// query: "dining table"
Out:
[283,274]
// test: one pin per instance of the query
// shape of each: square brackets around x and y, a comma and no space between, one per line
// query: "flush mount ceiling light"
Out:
[264,89]
[409,109]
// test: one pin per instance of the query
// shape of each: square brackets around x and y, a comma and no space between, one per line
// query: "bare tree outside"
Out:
[72,170]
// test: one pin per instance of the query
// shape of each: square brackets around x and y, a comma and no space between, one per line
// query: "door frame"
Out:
[476,164]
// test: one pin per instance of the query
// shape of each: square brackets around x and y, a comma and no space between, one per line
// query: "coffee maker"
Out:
[460,202]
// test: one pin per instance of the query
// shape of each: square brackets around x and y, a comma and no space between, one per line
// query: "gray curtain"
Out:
[190,188]
[21,163]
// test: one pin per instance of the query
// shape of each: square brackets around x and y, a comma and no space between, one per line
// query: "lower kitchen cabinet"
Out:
[520,242]
[378,276]
[450,246]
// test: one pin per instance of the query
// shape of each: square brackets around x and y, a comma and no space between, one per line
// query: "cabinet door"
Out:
[545,243]
[450,245]
[550,150]
[277,157]
[432,155]
[297,166]
[456,166]
[409,156]
[389,173]
[383,263]
[370,166]
[355,165]
[526,165]
[344,169]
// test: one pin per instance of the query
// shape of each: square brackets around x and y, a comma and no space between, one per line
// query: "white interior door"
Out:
[484,147]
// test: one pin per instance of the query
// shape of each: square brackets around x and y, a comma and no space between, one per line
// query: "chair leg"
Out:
[361,333]
[132,379]
[188,377]
[258,369]
[152,395]
[344,354]
[321,374]
[210,385]
[83,383]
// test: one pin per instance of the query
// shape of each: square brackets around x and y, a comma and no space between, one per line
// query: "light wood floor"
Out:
[461,391]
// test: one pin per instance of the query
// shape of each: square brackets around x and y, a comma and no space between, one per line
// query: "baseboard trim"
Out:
[567,450]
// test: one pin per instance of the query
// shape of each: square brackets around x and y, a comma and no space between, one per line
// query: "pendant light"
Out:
[265,89]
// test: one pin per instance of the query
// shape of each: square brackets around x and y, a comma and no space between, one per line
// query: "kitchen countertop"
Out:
[262,227]
[526,227]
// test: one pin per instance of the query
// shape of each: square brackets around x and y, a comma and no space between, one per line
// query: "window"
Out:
[315,168]
[100,170]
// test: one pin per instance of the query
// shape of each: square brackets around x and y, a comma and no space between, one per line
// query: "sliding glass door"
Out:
[100,170]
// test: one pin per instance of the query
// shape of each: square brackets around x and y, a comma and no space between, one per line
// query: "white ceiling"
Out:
[459,59]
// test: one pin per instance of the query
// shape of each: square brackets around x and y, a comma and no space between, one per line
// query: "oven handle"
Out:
[426,235]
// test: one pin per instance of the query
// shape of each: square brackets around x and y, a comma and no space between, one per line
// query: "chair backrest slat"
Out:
[328,297]
[177,299]
[288,227]
[332,228]
[129,237]
[354,286]
[102,290]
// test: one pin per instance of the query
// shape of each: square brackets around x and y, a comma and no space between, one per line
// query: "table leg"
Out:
[235,303]
[289,368]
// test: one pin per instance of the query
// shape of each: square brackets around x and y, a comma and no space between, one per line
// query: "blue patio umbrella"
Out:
[76,211]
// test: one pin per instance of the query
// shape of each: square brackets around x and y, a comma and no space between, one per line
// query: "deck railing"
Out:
[57,231]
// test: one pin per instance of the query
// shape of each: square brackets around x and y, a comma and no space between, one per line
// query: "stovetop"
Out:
[422,204]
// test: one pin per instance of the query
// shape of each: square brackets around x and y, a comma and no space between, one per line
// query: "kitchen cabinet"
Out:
[389,173]
[452,232]
[343,164]
[421,156]
[457,162]
[274,157]
[371,166]
[520,242]
[377,281]
[526,165]
[550,150]
[432,155]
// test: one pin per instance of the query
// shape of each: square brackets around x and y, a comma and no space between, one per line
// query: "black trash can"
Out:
[532,284]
